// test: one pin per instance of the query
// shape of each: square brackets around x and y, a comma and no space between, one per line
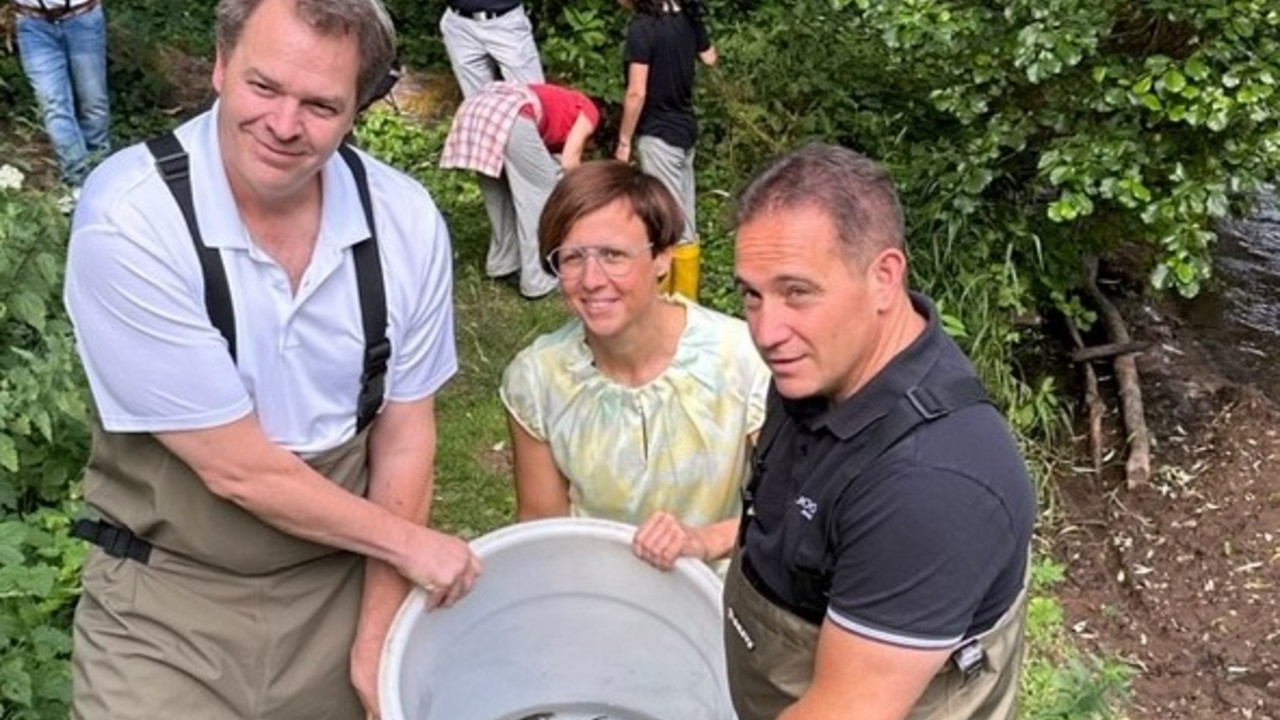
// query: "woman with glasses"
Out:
[643,407]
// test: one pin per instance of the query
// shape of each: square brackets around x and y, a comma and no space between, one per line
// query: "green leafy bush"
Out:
[42,448]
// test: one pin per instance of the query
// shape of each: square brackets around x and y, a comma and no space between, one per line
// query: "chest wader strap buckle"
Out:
[115,541]
[969,659]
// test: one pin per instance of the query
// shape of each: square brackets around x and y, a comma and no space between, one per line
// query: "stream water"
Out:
[1237,317]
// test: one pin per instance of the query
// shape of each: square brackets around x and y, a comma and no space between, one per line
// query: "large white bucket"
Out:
[564,624]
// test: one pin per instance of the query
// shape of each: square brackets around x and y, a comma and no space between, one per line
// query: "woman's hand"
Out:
[663,539]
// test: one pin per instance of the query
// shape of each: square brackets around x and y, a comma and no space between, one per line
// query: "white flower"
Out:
[11,178]
[67,202]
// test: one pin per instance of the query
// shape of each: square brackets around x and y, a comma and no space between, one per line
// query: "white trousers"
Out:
[482,51]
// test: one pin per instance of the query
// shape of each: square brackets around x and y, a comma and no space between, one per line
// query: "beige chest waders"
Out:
[770,654]
[264,632]
[193,607]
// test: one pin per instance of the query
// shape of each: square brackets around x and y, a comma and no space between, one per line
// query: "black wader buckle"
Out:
[926,403]
[115,541]
[174,166]
[969,659]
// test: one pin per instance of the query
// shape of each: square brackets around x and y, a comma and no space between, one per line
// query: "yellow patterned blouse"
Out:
[678,443]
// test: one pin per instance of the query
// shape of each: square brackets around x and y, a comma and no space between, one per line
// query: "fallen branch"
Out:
[1137,468]
[1104,352]
[1092,400]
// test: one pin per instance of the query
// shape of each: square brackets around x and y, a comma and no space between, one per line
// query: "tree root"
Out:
[1092,400]
[1137,467]
[1102,352]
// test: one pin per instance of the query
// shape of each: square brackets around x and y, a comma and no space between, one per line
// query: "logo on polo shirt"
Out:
[807,507]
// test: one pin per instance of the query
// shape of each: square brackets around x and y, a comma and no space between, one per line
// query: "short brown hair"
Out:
[596,184]
[367,20]
[854,191]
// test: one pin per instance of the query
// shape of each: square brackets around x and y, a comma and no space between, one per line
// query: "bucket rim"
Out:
[694,571]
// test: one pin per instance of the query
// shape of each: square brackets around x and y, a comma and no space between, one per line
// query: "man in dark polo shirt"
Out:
[884,545]
[489,40]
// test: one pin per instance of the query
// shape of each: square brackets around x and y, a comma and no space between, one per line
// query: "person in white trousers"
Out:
[490,40]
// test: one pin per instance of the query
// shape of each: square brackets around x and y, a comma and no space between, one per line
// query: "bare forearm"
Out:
[527,509]
[237,463]
[718,539]
[303,503]
[384,591]
[401,479]
[632,104]
[856,678]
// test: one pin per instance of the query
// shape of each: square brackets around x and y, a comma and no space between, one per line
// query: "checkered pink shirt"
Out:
[482,125]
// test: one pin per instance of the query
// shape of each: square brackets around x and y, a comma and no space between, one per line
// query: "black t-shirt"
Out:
[669,44]
[930,540]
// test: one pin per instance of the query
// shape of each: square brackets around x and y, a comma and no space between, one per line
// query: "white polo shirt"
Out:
[135,294]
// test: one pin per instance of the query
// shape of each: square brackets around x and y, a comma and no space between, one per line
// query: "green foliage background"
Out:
[1025,135]
[42,445]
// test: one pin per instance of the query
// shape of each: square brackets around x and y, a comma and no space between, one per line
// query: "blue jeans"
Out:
[66,63]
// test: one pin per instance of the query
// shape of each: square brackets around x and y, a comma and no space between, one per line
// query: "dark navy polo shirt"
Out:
[930,541]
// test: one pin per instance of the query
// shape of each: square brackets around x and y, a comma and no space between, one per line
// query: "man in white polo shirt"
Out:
[264,319]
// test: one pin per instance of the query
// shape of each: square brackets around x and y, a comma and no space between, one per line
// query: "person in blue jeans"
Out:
[63,48]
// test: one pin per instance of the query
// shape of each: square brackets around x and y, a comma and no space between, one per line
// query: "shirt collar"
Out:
[693,345]
[342,221]
[878,397]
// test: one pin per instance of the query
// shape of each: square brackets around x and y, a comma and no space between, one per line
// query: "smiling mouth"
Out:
[277,152]
[273,151]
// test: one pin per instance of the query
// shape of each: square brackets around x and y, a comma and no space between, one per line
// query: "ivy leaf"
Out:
[50,643]
[8,453]
[12,536]
[15,682]
[1195,68]
[29,308]
[34,582]
[1173,81]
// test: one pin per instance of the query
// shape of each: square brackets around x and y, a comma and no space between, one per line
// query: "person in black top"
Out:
[884,544]
[663,40]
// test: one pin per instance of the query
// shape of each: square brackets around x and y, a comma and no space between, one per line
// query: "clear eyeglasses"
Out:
[570,263]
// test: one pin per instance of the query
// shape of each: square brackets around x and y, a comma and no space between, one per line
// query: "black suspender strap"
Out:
[373,303]
[919,405]
[175,169]
[768,434]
